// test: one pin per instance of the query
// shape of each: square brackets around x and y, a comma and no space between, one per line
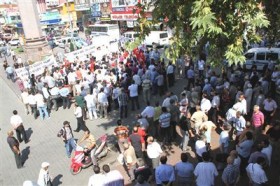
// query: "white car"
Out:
[14,42]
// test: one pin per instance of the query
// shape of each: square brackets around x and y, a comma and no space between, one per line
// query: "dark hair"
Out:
[260,160]
[96,169]
[106,168]
[184,157]
[164,109]
[119,122]
[15,112]
[249,135]
[205,156]
[66,122]
[163,159]
[266,142]
[140,179]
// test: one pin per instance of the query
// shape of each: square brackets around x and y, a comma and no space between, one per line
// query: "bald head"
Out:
[230,160]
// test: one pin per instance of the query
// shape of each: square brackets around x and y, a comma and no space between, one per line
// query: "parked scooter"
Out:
[82,160]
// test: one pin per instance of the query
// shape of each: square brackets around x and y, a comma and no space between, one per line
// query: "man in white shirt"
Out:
[205,172]
[112,177]
[79,116]
[41,106]
[170,74]
[200,147]
[91,107]
[149,113]
[24,98]
[136,78]
[205,104]
[32,103]
[103,103]
[54,97]
[17,125]
[256,173]
[133,93]
[201,64]
[98,179]
[270,107]
[153,151]
[239,123]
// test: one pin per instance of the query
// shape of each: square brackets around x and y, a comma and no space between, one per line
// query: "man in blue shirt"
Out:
[164,173]
[184,171]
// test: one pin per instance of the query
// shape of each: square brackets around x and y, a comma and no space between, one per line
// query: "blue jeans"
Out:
[43,111]
[70,145]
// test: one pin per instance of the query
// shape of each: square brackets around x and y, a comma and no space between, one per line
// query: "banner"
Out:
[36,68]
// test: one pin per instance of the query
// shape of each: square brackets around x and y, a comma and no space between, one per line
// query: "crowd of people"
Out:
[239,104]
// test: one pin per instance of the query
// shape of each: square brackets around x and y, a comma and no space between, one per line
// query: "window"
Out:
[249,56]
[135,35]
[272,56]
[260,56]
[163,35]
[128,35]
[99,29]
[114,27]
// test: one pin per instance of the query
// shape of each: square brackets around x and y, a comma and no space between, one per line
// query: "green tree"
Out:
[227,25]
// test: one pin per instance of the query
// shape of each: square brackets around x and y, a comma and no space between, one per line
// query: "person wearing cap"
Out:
[44,178]
[14,145]
[68,138]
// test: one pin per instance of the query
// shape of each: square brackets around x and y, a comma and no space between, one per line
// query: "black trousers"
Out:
[65,102]
[81,124]
[18,160]
[20,131]
[123,111]
[165,133]
[134,101]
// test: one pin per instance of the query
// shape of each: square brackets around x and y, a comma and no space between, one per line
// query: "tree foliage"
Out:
[227,25]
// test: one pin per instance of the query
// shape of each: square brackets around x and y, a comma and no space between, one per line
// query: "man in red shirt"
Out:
[122,134]
[257,120]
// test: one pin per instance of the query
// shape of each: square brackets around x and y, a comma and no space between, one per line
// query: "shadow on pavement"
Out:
[29,132]
[24,154]
[56,181]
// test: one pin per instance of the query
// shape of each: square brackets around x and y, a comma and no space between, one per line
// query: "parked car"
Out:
[14,42]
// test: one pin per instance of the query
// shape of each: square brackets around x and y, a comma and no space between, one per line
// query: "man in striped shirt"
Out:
[164,121]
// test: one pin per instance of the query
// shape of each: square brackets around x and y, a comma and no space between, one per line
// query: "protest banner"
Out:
[36,68]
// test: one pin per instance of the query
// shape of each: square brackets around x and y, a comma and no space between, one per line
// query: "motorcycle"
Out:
[82,160]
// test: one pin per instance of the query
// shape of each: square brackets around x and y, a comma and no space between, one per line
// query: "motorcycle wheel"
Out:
[75,172]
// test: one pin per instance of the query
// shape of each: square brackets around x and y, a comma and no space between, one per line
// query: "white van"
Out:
[160,38]
[261,57]
[130,36]
[112,30]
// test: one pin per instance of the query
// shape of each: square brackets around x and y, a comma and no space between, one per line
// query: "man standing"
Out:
[146,86]
[14,145]
[97,178]
[170,74]
[130,159]
[230,174]
[257,120]
[80,121]
[122,133]
[256,173]
[91,107]
[41,106]
[184,171]
[64,93]
[149,113]
[68,138]
[205,171]
[153,151]
[17,125]
[164,121]
[183,129]
[137,142]
[112,178]
[133,93]
[123,102]
[164,173]
[103,103]
[44,178]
